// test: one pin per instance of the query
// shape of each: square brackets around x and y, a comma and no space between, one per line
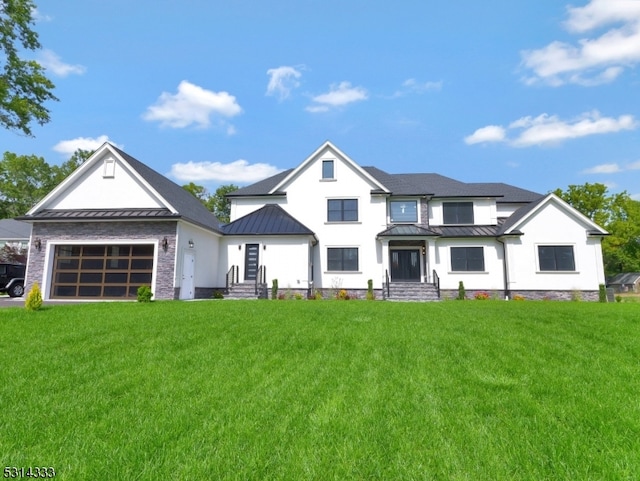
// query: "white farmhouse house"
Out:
[327,224]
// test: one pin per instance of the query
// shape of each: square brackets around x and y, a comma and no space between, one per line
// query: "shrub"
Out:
[218,294]
[602,293]
[481,296]
[576,295]
[144,294]
[34,298]
[298,297]
[618,298]
[318,295]
[370,294]
[518,297]
[461,292]
[343,295]
[274,289]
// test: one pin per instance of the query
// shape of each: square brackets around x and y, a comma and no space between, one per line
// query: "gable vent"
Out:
[109,168]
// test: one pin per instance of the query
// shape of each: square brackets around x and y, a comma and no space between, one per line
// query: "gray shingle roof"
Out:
[260,188]
[188,207]
[626,278]
[429,184]
[268,220]
[11,229]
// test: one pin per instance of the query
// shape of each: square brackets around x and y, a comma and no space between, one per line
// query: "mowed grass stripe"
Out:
[323,390]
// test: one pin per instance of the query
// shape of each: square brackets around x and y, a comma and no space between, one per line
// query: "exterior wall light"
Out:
[165,244]
[37,244]
[191,244]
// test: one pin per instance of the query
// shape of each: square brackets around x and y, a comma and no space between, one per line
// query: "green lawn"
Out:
[296,390]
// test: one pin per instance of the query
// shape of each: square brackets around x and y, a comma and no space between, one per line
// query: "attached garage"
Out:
[104,271]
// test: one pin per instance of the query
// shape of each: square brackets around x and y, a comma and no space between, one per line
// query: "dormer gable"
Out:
[329,164]
[515,224]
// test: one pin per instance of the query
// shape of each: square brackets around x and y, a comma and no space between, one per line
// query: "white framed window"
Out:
[403,211]
[328,170]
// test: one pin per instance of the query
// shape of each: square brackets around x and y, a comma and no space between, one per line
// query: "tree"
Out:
[24,88]
[216,202]
[219,204]
[619,214]
[24,180]
[65,169]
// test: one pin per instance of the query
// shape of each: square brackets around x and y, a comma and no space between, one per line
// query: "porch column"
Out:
[431,258]
[385,259]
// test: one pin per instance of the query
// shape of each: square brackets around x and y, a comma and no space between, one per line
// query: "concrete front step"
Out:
[412,291]
[242,291]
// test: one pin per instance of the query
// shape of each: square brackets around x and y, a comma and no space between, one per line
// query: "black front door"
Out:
[251,253]
[405,265]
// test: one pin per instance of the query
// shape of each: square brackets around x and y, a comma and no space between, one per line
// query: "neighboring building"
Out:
[327,224]
[14,233]
[625,282]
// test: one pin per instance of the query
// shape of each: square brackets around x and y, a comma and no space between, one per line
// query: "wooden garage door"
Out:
[101,271]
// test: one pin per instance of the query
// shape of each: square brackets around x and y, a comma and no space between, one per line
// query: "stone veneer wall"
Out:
[528,295]
[424,212]
[107,232]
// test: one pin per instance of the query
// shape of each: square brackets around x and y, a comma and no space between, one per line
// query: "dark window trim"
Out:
[455,213]
[467,263]
[553,260]
[342,260]
[341,214]
[325,175]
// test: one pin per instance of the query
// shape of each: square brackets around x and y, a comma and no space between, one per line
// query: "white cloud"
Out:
[282,81]
[612,168]
[420,87]
[603,169]
[412,86]
[592,61]
[239,171]
[38,16]
[490,133]
[548,129]
[68,147]
[338,95]
[193,105]
[52,62]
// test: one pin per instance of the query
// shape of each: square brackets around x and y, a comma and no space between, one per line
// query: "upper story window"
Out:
[457,212]
[342,210]
[403,210]
[556,258]
[327,169]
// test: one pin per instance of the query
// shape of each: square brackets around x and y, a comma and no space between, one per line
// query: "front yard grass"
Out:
[295,390]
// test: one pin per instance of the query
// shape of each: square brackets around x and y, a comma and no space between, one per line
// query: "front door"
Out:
[405,265]
[251,254]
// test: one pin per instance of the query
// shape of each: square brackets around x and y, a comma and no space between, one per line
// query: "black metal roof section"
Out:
[262,187]
[188,207]
[268,220]
[407,230]
[468,231]
[103,214]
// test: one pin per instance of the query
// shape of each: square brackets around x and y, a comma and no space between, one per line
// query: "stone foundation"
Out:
[591,296]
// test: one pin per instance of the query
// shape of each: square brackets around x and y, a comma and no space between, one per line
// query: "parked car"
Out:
[12,279]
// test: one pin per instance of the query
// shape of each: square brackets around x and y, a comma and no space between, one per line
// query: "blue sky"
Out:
[537,93]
